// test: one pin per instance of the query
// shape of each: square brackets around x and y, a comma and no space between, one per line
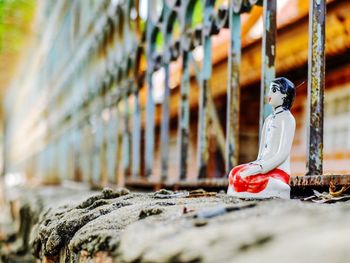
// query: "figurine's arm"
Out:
[285,145]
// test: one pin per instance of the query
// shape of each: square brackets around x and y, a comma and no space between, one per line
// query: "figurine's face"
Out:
[275,96]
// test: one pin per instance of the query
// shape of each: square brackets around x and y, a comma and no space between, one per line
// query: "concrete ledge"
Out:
[166,226]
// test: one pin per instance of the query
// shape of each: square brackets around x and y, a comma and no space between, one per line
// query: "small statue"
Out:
[268,176]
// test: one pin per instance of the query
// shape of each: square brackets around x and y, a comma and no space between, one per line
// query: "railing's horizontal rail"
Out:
[319,180]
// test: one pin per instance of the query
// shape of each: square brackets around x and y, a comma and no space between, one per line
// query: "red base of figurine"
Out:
[255,184]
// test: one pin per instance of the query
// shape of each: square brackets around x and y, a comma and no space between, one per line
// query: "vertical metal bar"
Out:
[268,57]
[70,154]
[5,143]
[118,145]
[96,172]
[112,147]
[216,126]
[233,91]
[86,152]
[48,174]
[97,141]
[316,75]
[150,107]
[103,153]
[126,137]
[203,136]
[136,135]
[149,138]
[164,132]
[90,153]
[203,133]
[213,114]
[184,115]
[64,159]
[77,155]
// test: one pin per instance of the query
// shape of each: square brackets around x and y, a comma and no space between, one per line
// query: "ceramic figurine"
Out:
[268,175]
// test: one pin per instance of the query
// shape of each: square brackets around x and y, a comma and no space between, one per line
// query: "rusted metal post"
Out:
[98,137]
[136,134]
[119,142]
[98,130]
[86,152]
[203,133]
[77,155]
[316,75]
[233,91]
[217,127]
[126,135]
[103,155]
[150,107]
[184,115]
[268,57]
[213,114]
[112,147]
[164,130]
[136,127]
[149,135]
[5,143]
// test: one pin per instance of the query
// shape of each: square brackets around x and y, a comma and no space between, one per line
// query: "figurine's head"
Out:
[282,93]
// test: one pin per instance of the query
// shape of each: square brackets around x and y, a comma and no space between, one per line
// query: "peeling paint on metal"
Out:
[233,92]
[316,75]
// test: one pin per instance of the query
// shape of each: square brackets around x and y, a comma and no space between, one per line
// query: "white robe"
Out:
[276,142]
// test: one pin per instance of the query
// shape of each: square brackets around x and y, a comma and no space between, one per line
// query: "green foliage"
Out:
[15,18]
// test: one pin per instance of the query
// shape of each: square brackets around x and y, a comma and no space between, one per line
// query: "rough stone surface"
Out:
[56,227]
[24,207]
[118,226]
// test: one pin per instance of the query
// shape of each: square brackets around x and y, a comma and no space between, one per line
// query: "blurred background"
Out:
[91,90]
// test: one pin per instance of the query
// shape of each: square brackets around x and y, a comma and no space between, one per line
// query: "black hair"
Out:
[285,86]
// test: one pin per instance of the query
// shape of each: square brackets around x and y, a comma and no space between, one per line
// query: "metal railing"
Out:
[88,125]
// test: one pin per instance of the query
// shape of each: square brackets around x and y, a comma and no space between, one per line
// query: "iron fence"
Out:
[91,123]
